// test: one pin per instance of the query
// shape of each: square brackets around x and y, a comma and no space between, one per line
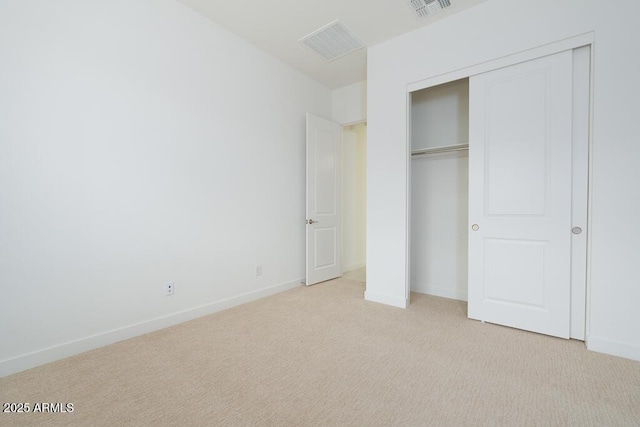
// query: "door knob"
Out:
[576,230]
[310,221]
[475,227]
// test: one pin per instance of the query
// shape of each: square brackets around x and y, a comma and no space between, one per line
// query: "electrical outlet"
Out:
[258,270]
[169,288]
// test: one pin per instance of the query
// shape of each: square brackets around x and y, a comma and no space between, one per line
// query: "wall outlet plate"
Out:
[169,288]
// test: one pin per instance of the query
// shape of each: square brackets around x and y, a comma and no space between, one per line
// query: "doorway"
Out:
[354,200]
[335,200]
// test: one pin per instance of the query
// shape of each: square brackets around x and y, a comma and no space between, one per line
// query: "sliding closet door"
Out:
[520,195]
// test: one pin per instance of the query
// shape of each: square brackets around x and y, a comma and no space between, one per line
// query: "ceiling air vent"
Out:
[424,8]
[332,41]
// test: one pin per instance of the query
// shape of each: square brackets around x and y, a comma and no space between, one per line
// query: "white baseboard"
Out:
[386,299]
[51,354]
[439,291]
[614,348]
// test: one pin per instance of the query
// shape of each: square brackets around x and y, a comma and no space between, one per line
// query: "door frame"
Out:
[587,39]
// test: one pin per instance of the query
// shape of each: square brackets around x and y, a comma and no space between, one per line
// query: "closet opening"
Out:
[439,194]
[504,227]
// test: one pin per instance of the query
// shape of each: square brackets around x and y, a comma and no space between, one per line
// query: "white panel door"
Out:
[520,195]
[323,221]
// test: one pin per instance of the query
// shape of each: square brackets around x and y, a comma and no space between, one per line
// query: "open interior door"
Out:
[323,209]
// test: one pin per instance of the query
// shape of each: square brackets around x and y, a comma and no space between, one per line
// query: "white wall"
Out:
[440,191]
[439,217]
[440,115]
[488,31]
[140,144]
[354,196]
[350,103]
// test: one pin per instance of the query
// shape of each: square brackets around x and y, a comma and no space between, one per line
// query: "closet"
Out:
[499,172]
[439,189]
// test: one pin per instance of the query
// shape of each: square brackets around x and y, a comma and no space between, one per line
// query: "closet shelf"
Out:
[437,150]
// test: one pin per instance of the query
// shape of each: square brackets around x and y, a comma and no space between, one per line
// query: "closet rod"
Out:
[438,150]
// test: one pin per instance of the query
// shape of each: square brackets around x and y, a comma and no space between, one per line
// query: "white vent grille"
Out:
[332,41]
[424,8]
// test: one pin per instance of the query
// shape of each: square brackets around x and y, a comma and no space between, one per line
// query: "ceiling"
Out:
[275,26]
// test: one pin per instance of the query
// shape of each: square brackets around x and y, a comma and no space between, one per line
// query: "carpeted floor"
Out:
[324,356]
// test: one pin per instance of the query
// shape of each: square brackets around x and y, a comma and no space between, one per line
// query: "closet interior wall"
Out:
[439,190]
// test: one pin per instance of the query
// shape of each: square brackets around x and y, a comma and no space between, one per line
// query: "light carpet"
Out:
[323,356]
